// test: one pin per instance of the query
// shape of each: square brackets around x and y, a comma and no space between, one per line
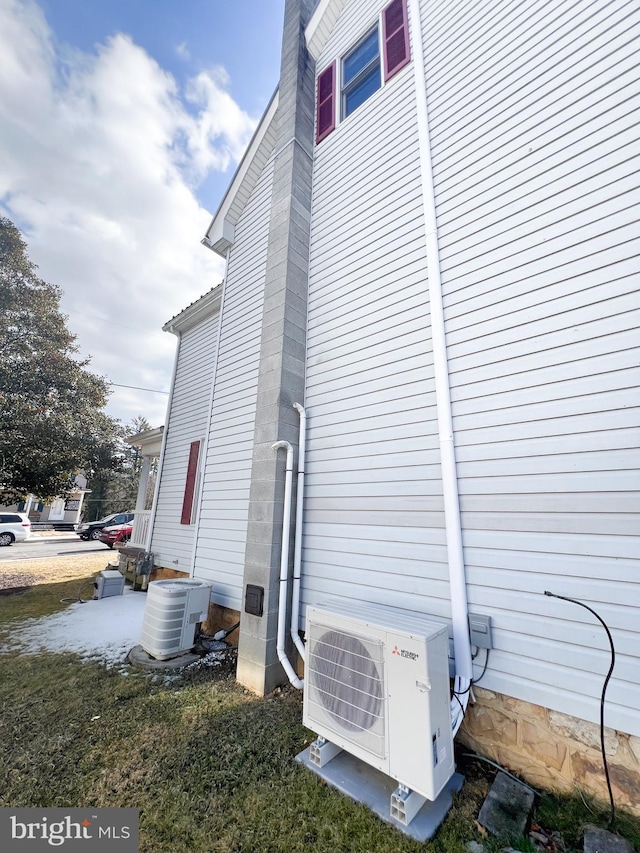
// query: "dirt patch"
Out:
[27,573]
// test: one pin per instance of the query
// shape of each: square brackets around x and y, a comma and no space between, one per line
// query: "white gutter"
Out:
[284,566]
[156,490]
[297,547]
[457,579]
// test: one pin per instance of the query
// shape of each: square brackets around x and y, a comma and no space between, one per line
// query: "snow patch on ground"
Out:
[104,630]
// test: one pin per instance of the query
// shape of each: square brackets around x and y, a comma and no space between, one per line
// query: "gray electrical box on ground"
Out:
[107,583]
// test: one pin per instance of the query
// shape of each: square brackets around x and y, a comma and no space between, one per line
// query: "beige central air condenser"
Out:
[172,611]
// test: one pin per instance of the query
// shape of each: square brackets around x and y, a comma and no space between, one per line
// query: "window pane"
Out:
[363,90]
[363,54]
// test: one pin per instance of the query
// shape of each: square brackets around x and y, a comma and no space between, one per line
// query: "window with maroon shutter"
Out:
[325,103]
[361,72]
[190,485]
[395,37]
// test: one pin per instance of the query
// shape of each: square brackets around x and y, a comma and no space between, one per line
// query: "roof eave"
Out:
[220,235]
[196,312]
[321,24]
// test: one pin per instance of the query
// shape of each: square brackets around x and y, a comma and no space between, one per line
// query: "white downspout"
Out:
[297,547]
[284,566]
[457,580]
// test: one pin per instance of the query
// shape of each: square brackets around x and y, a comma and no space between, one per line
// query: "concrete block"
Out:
[281,375]
[268,512]
[262,533]
[598,840]
[257,677]
[272,363]
[257,556]
[270,432]
[507,809]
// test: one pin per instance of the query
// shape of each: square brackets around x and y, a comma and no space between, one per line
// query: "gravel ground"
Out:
[22,573]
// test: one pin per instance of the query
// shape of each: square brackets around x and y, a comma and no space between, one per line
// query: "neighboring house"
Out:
[60,512]
[475,161]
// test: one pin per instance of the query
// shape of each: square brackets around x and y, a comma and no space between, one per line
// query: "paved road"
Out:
[47,545]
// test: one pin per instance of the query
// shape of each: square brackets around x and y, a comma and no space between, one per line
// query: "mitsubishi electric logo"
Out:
[404,653]
[85,830]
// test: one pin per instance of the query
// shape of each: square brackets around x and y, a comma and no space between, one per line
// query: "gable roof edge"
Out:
[190,316]
[220,234]
[321,23]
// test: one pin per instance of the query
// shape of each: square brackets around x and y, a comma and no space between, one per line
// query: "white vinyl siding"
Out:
[172,542]
[534,120]
[534,114]
[373,507]
[227,477]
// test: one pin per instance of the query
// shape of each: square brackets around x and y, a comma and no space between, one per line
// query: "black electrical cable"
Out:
[455,696]
[220,635]
[602,697]
[474,680]
[502,769]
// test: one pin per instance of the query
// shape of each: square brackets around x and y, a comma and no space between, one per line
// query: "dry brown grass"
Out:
[25,573]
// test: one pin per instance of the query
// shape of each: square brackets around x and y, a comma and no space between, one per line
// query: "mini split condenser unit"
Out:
[172,611]
[377,686]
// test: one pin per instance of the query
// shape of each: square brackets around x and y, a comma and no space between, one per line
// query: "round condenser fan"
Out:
[348,681]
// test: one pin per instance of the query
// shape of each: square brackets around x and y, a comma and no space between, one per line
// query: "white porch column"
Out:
[79,510]
[141,499]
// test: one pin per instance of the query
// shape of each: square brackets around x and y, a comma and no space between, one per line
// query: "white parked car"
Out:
[14,527]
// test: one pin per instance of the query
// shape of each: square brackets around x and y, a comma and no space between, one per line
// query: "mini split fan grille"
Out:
[347,677]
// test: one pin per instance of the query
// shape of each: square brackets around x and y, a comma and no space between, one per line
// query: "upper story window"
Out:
[360,71]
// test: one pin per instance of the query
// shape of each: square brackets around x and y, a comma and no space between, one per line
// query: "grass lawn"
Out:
[210,766]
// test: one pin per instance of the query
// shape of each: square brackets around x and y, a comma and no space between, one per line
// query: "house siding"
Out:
[535,144]
[172,542]
[374,521]
[220,548]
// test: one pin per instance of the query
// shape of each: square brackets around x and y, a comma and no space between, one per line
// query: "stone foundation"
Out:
[553,750]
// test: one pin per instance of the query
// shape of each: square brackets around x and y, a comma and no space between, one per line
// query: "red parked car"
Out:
[116,533]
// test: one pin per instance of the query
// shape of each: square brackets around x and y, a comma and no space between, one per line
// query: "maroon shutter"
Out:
[395,36]
[325,102]
[190,485]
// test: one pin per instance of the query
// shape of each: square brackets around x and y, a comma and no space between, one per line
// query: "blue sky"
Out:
[121,124]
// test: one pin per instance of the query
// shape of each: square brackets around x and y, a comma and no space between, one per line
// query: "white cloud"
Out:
[183,51]
[98,158]
[219,134]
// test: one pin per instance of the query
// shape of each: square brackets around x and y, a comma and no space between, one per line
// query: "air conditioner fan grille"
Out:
[349,682]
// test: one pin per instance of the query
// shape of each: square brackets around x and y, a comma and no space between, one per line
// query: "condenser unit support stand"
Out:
[411,813]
